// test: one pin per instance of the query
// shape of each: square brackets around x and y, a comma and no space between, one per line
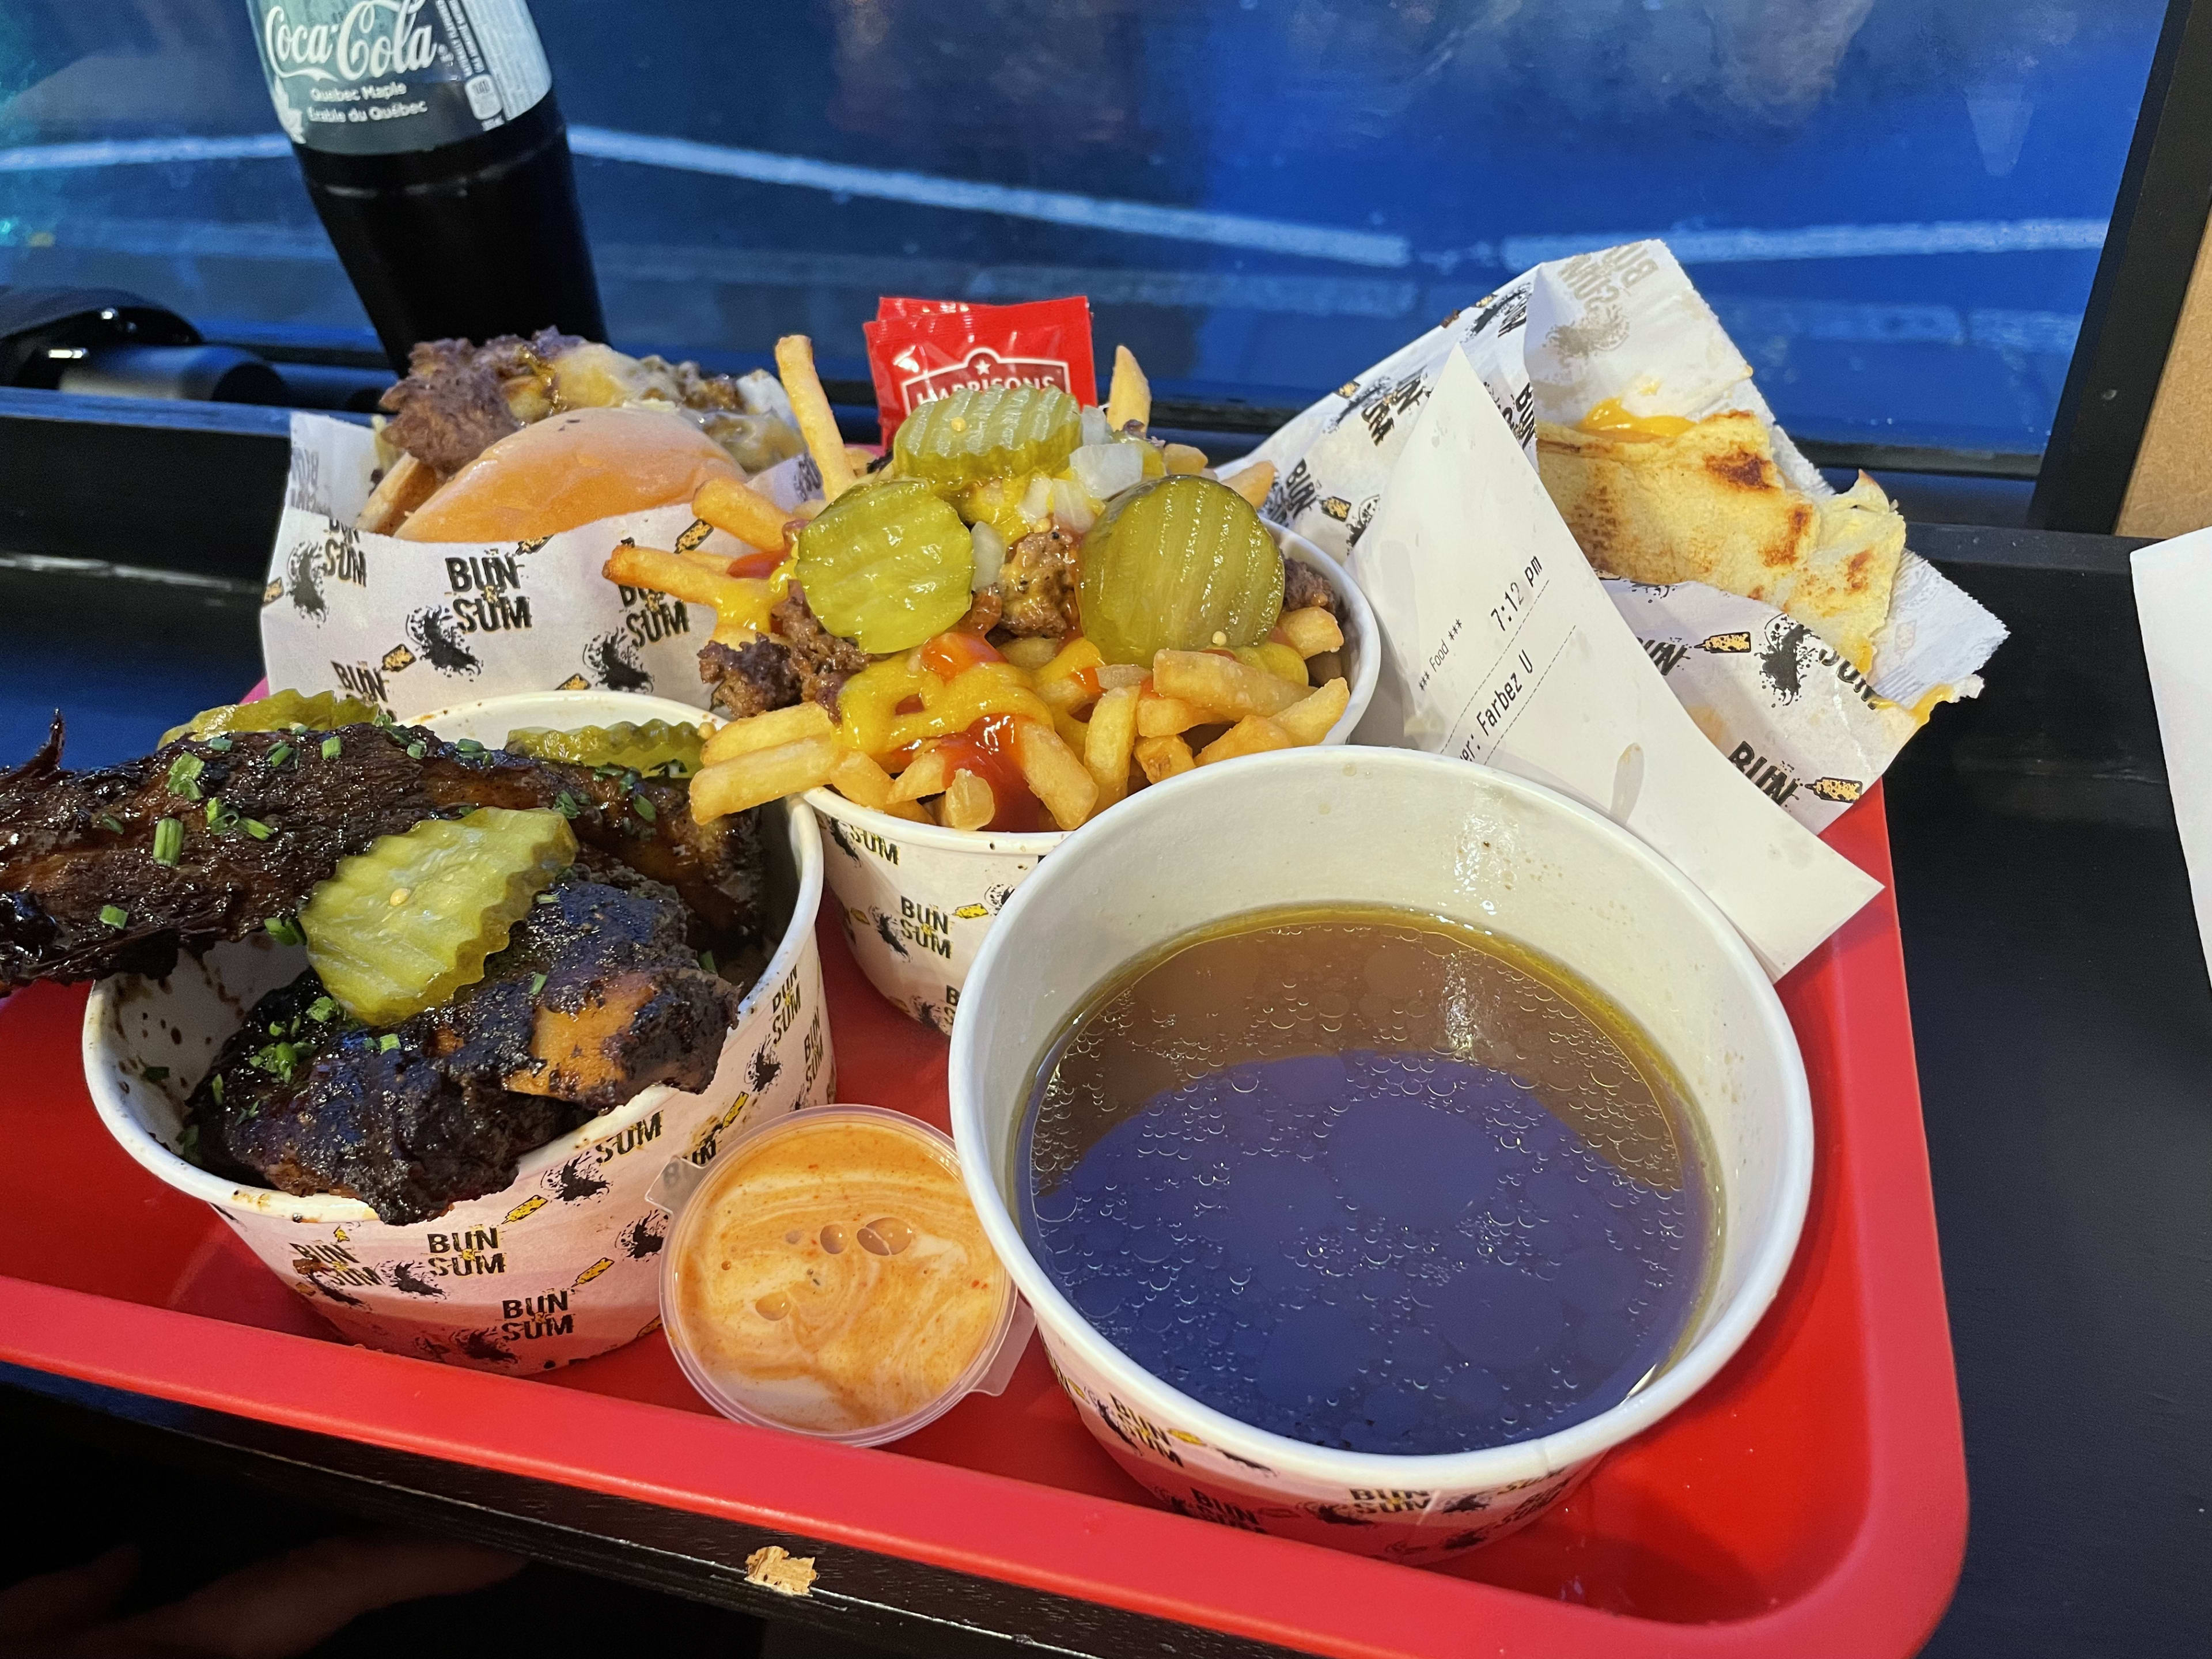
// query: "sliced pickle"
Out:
[277,712]
[887,567]
[988,432]
[655,746]
[401,927]
[1179,563]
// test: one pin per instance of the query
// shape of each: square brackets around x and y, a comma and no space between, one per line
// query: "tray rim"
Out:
[1884,1593]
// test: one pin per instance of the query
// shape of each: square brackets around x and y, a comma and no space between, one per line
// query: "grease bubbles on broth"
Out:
[1371,1180]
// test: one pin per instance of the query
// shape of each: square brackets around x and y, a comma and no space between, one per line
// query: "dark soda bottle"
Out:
[437,157]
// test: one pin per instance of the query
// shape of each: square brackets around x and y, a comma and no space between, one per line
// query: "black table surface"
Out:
[2064,1029]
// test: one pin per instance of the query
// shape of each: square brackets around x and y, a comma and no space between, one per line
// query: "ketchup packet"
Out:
[919,349]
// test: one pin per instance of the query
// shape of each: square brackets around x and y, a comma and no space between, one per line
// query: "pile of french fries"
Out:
[1082,732]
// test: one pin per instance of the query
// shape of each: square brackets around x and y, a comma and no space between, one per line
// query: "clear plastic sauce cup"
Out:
[828,1274]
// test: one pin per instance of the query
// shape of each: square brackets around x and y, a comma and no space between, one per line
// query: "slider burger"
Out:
[518,438]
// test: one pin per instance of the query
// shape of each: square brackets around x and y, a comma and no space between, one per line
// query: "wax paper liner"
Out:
[1626,323]
[417,626]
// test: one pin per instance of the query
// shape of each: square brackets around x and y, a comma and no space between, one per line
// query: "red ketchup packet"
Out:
[919,349]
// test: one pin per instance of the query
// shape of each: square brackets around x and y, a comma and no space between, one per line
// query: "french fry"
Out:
[766,775]
[1254,483]
[735,599]
[1181,457]
[1163,758]
[1106,745]
[1054,774]
[1129,398]
[405,485]
[1031,653]
[769,731]
[1221,683]
[968,802]
[1163,717]
[1114,675]
[860,780]
[1309,719]
[912,811]
[1075,734]
[1271,657]
[1310,631]
[810,404]
[927,774]
[742,511]
[1255,734]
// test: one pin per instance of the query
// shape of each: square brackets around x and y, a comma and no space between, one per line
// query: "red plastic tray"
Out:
[1811,1501]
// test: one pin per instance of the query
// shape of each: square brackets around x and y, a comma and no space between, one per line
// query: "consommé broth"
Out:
[1371,1180]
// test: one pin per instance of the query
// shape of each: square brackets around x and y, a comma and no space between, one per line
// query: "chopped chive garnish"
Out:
[279,755]
[169,840]
[215,1088]
[331,745]
[468,746]
[548,898]
[537,983]
[221,819]
[299,726]
[110,822]
[417,750]
[386,1044]
[220,743]
[285,931]
[255,827]
[155,1074]
[565,804]
[645,808]
[707,961]
[184,776]
[114,915]
[321,1009]
[384,719]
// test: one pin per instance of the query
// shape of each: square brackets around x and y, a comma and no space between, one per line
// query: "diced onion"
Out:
[1095,429]
[1106,470]
[1075,508]
[1036,502]
[990,554]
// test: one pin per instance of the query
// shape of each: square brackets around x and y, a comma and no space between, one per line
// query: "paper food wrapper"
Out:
[2173,600]
[1626,323]
[1502,648]
[417,626]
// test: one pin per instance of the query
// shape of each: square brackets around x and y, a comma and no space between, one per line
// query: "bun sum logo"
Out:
[982,366]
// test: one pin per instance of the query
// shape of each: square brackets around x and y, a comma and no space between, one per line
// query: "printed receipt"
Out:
[1504,649]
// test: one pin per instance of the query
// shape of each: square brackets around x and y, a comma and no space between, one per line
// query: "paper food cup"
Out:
[1444,837]
[563,1262]
[916,900]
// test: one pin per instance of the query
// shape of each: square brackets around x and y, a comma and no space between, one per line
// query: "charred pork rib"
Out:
[597,995]
[92,885]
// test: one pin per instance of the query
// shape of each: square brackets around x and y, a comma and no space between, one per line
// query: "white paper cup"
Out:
[563,1262]
[917,900]
[1421,832]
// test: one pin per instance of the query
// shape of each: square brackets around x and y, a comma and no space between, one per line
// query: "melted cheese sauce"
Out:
[1613,418]
[841,1279]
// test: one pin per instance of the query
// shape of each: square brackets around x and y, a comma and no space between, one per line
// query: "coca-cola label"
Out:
[369,77]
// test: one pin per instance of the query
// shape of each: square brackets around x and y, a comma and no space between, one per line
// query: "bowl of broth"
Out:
[1378,1139]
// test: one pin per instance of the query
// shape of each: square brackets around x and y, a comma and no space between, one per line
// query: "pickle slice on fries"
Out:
[997,718]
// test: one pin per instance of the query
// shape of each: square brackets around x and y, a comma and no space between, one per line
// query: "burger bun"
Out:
[571,469]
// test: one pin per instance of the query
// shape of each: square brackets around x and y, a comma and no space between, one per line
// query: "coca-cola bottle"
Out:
[437,159]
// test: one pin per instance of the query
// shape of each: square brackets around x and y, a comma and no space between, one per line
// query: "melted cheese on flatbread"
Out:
[1707,504]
